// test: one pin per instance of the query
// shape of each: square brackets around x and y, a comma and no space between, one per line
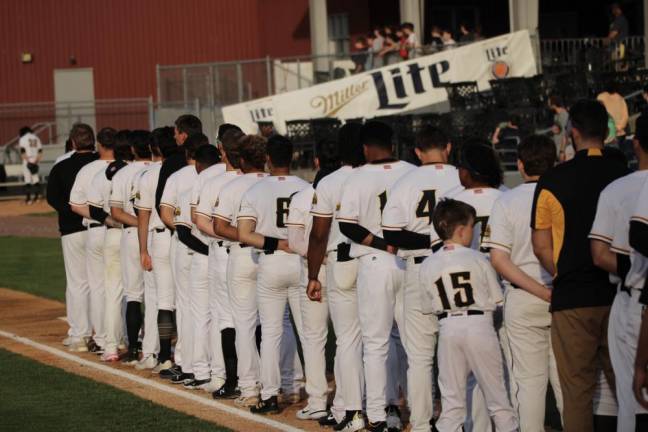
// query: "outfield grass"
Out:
[47,398]
[33,265]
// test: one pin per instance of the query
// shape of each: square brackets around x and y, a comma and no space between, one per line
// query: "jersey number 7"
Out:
[463,295]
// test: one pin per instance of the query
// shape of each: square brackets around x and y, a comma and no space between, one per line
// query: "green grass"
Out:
[47,214]
[33,265]
[46,398]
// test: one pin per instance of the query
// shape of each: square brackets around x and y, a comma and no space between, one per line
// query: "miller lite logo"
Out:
[499,68]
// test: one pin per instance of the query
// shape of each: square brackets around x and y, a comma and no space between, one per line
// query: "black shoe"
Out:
[94,348]
[171,372]
[131,358]
[196,384]
[353,420]
[267,406]
[183,378]
[394,423]
[376,427]
[328,421]
[226,392]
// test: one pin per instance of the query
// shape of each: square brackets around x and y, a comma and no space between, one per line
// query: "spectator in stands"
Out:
[561,117]
[478,33]
[616,37]
[448,41]
[360,55]
[266,129]
[411,40]
[508,135]
[401,40]
[437,38]
[617,108]
[376,47]
[390,49]
[466,35]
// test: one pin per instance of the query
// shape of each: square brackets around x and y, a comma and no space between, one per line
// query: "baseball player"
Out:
[314,309]
[380,272]
[123,211]
[93,301]
[609,239]
[327,243]
[527,320]
[463,291]
[31,153]
[154,244]
[73,233]
[221,331]
[175,213]
[208,166]
[98,202]
[406,224]
[262,225]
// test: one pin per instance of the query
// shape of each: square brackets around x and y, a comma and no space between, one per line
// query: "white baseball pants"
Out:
[380,297]
[95,266]
[469,344]
[160,251]
[77,290]
[151,341]
[419,337]
[278,284]
[184,320]
[219,307]
[343,303]
[241,284]
[114,290]
[527,323]
[132,272]
[292,372]
[623,335]
[315,332]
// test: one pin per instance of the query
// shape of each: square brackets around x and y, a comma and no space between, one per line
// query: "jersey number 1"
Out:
[463,296]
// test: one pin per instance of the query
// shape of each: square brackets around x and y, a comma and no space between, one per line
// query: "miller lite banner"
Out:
[393,89]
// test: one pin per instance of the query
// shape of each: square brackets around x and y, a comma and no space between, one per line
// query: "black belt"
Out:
[470,312]
[129,226]
[343,252]
[419,259]
[265,252]
[113,228]
[220,243]
[241,245]
[160,230]
[95,225]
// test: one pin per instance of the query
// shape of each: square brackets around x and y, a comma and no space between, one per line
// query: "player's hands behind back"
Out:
[146,261]
[314,290]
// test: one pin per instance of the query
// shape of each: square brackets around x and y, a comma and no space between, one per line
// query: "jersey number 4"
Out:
[463,291]
[425,207]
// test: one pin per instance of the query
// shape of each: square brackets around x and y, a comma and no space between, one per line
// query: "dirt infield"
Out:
[39,320]
[20,219]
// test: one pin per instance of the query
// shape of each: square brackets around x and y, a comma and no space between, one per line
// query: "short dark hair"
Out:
[481,161]
[222,129]
[106,137]
[280,150]
[140,141]
[189,124]
[207,155]
[349,145]
[537,153]
[641,131]
[193,142]
[376,134]
[556,100]
[25,130]
[253,150]
[326,151]
[449,214]
[431,137]
[230,143]
[83,137]
[590,118]
[162,140]
[69,146]
[123,144]
[408,25]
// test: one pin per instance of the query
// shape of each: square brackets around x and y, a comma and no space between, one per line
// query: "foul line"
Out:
[150,383]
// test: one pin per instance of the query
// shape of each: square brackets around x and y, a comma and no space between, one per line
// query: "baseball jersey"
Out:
[145,194]
[124,184]
[299,212]
[64,156]
[613,212]
[31,145]
[364,197]
[267,203]
[326,203]
[228,203]
[210,192]
[202,178]
[510,231]
[177,194]
[458,278]
[83,182]
[411,202]
[636,277]
[482,199]
[99,192]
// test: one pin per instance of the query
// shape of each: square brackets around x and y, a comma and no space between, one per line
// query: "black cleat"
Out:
[380,426]
[93,347]
[328,420]
[267,406]
[131,358]
[171,372]
[394,423]
[183,378]
[196,384]
[226,392]
[353,421]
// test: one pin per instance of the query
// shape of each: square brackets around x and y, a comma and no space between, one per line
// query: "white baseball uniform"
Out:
[611,225]
[527,320]
[462,289]
[99,196]
[204,363]
[218,298]
[380,279]
[278,278]
[341,274]
[177,195]
[314,315]
[409,207]
[94,302]
[31,145]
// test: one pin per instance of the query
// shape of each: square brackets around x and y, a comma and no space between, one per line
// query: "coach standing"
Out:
[73,233]
[564,206]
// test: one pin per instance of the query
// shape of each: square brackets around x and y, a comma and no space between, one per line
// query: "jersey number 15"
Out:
[463,291]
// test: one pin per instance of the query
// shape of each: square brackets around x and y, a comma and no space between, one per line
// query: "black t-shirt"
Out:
[59,185]
[169,166]
[620,24]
